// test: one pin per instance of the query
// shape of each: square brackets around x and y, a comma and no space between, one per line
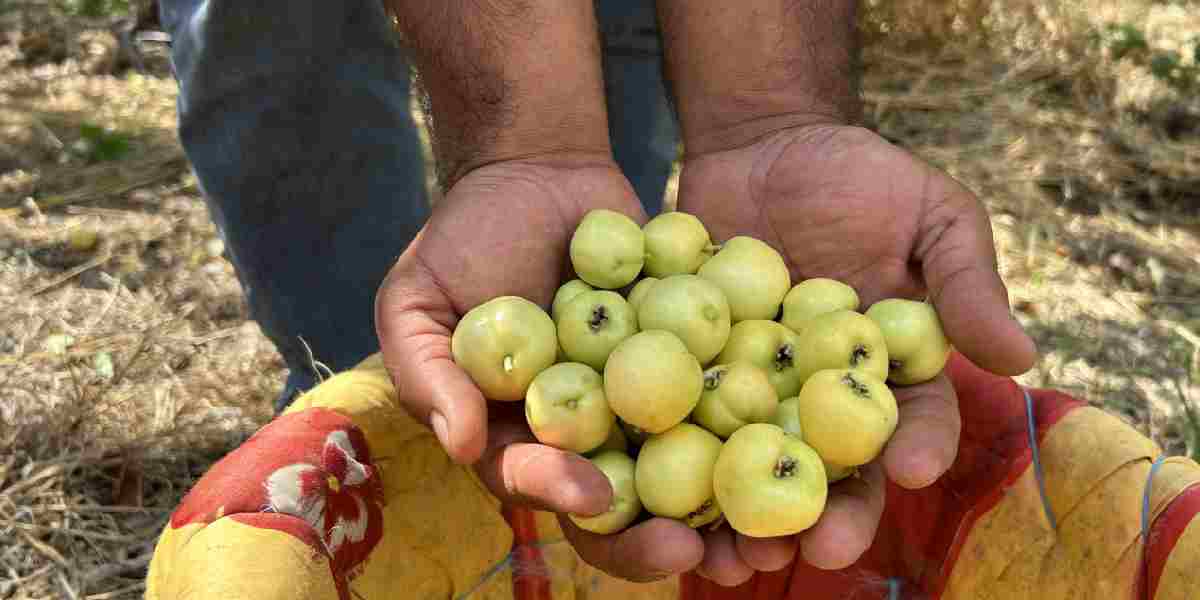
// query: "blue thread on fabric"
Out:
[487,576]
[1146,497]
[893,588]
[1037,462]
[1146,514]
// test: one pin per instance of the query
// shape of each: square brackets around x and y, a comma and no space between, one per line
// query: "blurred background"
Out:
[128,364]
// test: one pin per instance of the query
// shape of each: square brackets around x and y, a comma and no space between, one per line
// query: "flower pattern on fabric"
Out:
[340,498]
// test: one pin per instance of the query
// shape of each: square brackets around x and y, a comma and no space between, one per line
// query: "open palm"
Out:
[842,202]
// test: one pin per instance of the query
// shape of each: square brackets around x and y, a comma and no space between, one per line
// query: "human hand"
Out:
[841,202]
[504,229]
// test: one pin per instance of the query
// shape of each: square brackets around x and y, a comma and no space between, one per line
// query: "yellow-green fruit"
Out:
[735,395]
[564,294]
[842,339]
[692,308]
[616,440]
[607,249]
[847,415]
[503,344]
[917,345]
[769,483]
[708,512]
[835,473]
[591,324]
[676,243]
[674,473]
[787,417]
[565,408]
[816,296]
[753,276]
[639,291]
[769,346]
[652,381]
[82,238]
[625,506]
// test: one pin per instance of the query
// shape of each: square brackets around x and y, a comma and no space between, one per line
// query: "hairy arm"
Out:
[507,79]
[740,70]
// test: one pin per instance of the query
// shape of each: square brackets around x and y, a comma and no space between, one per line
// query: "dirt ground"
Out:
[128,363]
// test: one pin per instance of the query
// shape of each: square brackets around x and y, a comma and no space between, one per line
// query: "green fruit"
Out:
[735,395]
[616,440]
[607,249]
[639,291]
[707,513]
[787,417]
[917,346]
[625,506]
[769,483]
[753,276]
[565,292]
[847,415]
[565,408]
[835,473]
[503,344]
[676,243]
[769,346]
[693,309]
[591,324]
[652,381]
[842,339]
[674,474]
[816,296]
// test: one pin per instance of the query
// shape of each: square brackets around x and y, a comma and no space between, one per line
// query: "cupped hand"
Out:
[505,229]
[841,202]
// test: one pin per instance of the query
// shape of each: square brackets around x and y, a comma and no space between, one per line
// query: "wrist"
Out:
[506,80]
[746,70]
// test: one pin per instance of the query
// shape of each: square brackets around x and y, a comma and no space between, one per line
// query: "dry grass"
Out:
[128,365]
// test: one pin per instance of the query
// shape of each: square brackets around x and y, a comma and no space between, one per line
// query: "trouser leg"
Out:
[295,116]
[642,125]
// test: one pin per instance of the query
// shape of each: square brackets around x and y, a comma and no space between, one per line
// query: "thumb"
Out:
[958,259]
[414,326]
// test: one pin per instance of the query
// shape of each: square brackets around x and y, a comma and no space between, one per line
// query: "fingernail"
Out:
[441,428]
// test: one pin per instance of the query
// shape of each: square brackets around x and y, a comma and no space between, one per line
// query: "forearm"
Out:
[741,70]
[507,79]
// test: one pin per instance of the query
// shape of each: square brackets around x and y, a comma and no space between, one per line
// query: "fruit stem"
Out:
[785,467]
[783,357]
[508,363]
[713,248]
[859,354]
[700,510]
[855,385]
[712,379]
[599,317]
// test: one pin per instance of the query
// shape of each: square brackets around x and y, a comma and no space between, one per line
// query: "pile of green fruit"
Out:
[698,378]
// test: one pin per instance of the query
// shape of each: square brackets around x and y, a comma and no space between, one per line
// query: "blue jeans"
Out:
[295,117]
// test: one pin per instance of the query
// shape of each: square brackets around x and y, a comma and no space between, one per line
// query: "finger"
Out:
[958,258]
[925,443]
[767,554]
[649,551]
[414,335]
[722,564]
[847,527]
[520,471]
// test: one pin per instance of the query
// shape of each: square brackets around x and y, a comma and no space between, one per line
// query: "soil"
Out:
[128,363]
